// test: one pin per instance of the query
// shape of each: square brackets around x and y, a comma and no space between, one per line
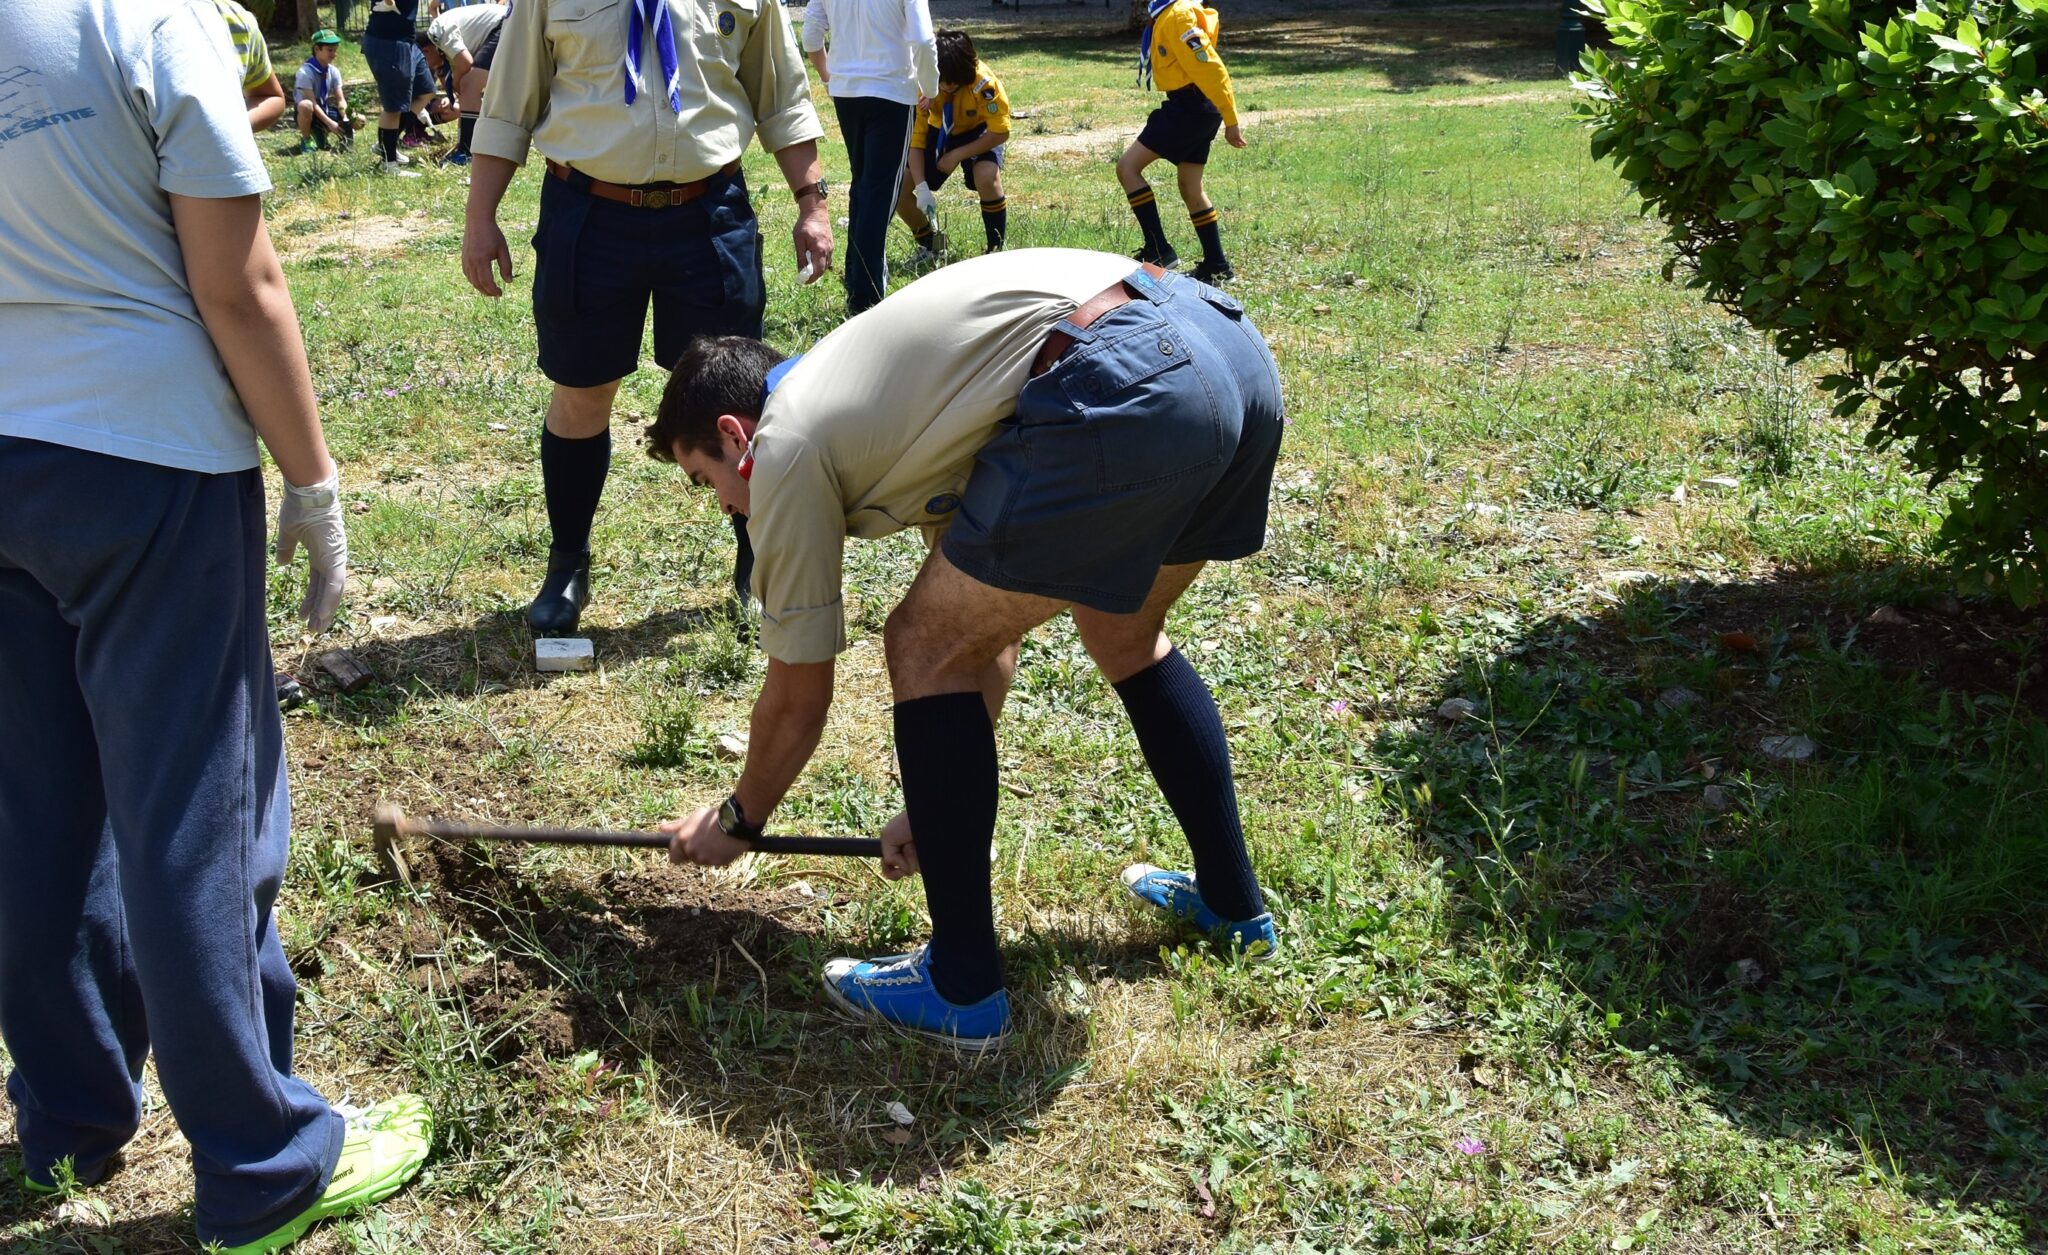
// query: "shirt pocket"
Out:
[588,35]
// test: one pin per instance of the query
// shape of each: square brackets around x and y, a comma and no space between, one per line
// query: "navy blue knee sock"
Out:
[573,473]
[1182,736]
[946,748]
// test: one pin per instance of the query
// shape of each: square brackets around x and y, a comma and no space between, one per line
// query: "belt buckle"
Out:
[656,199]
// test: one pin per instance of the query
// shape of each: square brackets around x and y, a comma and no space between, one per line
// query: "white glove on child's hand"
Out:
[312,516]
[925,200]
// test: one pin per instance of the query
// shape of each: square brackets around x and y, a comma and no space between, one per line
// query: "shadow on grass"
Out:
[1791,833]
[715,984]
[30,1224]
[1413,51]
[494,654]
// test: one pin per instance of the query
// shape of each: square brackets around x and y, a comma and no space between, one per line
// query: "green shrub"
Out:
[1871,179]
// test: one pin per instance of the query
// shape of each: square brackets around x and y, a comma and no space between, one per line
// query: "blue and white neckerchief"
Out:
[945,125]
[1153,9]
[655,13]
[775,374]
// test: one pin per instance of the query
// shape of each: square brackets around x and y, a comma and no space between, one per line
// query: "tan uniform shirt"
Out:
[877,428]
[558,84]
[460,32]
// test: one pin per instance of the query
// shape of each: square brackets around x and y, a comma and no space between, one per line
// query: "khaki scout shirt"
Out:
[877,428]
[558,83]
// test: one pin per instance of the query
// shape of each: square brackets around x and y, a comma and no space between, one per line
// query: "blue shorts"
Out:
[598,264]
[935,179]
[400,71]
[1182,127]
[1150,443]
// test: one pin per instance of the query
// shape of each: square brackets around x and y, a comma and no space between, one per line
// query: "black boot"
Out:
[562,596]
[742,562]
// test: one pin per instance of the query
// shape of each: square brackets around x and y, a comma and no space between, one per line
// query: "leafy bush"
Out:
[1868,178]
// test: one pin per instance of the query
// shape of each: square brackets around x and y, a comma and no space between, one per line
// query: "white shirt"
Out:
[461,31]
[884,48]
[107,109]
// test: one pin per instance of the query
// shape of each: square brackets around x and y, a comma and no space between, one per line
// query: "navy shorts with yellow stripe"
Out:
[935,178]
[599,265]
[1150,443]
[1183,127]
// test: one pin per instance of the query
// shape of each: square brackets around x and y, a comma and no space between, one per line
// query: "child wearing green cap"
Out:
[322,107]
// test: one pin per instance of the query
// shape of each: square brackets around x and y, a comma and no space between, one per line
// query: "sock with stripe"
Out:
[1210,231]
[464,128]
[1181,734]
[995,221]
[1145,207]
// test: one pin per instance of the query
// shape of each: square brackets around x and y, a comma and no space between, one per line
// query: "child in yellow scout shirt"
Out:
[963,129]
[1178,52]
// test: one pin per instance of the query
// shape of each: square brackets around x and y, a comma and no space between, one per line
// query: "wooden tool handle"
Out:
[852,847]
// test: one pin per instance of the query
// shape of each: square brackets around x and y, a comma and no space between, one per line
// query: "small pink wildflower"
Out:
[1338,706]
[1469,1145]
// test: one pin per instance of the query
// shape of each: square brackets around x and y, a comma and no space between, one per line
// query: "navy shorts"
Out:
[487,51]
[1150,443]
[598,264]
[400,71]
[1182,128]
[934,178]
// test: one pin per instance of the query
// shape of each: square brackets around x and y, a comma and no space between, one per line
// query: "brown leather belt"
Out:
[1115,295]
[642,195]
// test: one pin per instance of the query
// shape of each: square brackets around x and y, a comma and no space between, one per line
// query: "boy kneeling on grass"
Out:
[964,129]
[321,103]
[1087,437]
[1178,51]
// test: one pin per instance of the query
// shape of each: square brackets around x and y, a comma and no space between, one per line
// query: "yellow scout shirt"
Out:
[876,429]
[982,102]
[558,84]
[1183,53]
[251,53]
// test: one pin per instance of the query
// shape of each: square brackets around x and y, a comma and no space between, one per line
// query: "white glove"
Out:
[925,200]
[312,516]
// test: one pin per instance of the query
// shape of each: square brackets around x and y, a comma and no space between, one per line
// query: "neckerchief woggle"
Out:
[643,14]
[775,374]
[1153,9]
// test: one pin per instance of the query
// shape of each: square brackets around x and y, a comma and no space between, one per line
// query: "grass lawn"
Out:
[1657,841]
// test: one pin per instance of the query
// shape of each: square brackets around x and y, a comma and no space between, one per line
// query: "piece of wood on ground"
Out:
[350,673]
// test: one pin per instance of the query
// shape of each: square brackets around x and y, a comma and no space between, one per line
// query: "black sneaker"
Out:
[1219,272]
[563,594]
[1165,261]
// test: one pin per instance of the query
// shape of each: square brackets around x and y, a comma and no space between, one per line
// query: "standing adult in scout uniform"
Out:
[1177,50]
[464,39]
[1088,437]
[964,129]
[641,109]
[881,62]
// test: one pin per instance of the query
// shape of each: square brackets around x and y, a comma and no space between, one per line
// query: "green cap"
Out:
[326,37]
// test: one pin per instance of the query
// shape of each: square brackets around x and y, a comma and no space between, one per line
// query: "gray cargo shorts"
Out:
[1151,442]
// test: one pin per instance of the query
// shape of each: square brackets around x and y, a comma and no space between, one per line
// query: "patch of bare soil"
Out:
[1967,649]
[354,233]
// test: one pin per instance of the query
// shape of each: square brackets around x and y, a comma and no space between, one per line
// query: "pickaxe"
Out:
[395,829]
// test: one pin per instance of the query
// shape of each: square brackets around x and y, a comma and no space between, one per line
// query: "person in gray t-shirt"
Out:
[318,98]
[144,812]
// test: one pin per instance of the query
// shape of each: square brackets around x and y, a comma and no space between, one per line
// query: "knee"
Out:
[989,182]
[906,650]
[581,412]
[1190,180]
[1130,169]
[1119,656]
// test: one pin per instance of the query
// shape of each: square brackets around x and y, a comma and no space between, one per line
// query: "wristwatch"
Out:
[732,820]
[808,188]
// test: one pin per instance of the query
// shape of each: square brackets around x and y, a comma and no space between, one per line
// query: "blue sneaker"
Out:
[1176,894]
[897,990]
[456,158]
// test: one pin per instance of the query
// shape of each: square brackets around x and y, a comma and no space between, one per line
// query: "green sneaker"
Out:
[308,146]
[385,1147]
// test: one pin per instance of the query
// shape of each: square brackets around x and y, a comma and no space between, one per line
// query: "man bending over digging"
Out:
[1087,437]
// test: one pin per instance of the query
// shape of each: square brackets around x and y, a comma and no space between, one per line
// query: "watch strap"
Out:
[816,185]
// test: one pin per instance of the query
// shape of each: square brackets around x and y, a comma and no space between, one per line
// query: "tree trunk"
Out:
[294,19]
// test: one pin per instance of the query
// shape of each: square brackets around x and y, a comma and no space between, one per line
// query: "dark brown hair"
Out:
[956,58]
[715,375]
